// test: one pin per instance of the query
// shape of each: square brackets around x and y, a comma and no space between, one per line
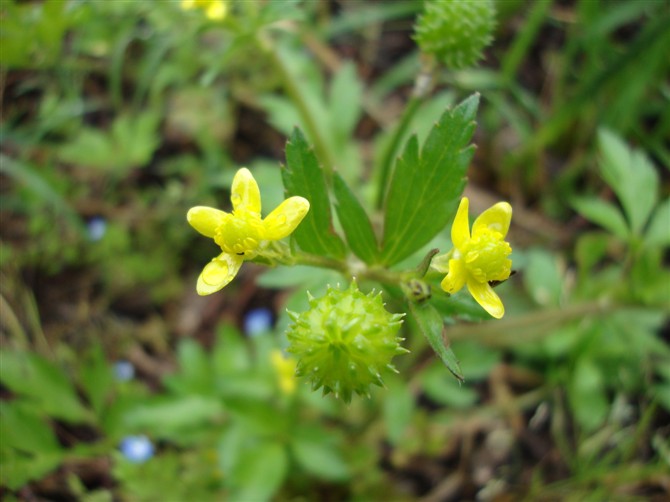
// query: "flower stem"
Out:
[321,262]
[294,92]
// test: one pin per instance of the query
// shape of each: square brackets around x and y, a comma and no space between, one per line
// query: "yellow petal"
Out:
[218,273]
[245,195]
[205,219]
[460,230]
[217,10]
[285,218]
[486,297]
[455,279]
[496,218]
[441,262]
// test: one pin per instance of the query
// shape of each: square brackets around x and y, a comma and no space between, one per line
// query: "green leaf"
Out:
[44,382]
[602,213]
[319,458]
[195,375]
[590,249]
[346,92]
[30,176]
[543,278]
[658,233]
[260,472]
[129,142]
[17,470]
[231,445]
[632,177]
[445,390]
[431,326]
[398,408]
[230,354]
[477,358]
[661,393]
[22,428]
[355,222]
[97,378]
[587,395]
[303,176]
[171,416]
[425,186]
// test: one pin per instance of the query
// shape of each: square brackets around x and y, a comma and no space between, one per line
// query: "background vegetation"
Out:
[119,383]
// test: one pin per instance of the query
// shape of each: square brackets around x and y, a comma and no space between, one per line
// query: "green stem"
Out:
[293,91]
[349,270]
[313,260]
[383,276]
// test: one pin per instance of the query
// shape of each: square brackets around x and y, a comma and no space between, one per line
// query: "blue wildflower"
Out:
[257,321]
[124,370]
[137,449]
[96,227]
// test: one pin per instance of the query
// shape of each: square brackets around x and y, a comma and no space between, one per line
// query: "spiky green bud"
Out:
[345,341]
[456,31]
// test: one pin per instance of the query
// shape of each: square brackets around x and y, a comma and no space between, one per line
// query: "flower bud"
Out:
[345,341]
[456,31]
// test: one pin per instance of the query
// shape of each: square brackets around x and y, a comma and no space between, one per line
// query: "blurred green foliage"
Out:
[132,112]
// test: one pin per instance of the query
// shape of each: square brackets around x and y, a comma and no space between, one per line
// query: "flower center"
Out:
[485,256]
[239,234]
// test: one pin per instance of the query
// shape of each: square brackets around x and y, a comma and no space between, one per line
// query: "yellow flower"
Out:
[285,369]
[214,9]
[242,234]
[481,257]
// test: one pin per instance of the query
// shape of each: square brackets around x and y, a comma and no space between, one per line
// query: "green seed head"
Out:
[345,341]
[456,31]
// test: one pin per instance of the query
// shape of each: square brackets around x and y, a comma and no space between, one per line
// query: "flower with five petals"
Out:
[480,257]
[242,234]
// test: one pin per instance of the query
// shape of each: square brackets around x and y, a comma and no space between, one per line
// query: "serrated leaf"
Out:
[602,213]
[425,185]
[632,177]
[355,222]
[431,326]
[303,176]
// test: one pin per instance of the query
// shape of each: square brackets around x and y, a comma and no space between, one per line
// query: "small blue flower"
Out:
[124,371]
[137,449]
[258,321]
[96,227]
